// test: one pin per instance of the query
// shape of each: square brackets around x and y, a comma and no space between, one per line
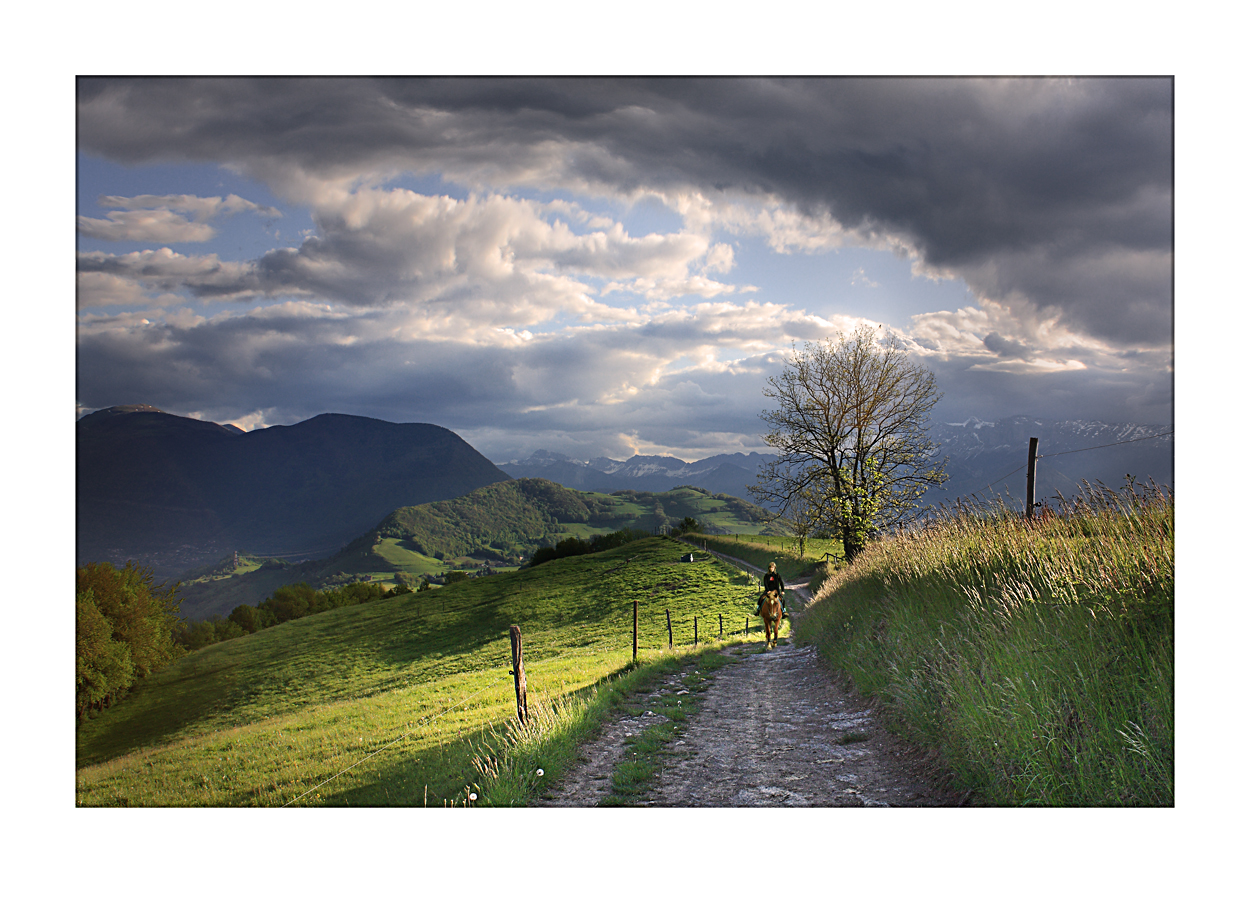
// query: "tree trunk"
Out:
[851,545]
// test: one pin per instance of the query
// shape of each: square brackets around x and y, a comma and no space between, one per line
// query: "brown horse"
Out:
[770,610]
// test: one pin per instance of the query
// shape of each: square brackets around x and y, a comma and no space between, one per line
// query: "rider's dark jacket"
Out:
[772,582]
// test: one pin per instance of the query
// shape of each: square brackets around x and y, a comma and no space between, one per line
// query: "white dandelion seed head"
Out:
[473,797]
[540,772]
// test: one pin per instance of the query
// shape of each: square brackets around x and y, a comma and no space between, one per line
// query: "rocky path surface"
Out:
[773,729]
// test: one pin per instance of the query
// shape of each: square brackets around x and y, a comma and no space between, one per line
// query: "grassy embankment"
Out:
[390,703]
[1036,659]
[810,569]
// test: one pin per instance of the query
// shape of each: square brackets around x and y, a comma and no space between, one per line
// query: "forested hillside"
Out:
[497,526]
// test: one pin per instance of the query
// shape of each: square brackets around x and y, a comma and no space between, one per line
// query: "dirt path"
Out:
[773,729]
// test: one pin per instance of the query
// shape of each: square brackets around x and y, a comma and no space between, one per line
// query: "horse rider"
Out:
[773,583]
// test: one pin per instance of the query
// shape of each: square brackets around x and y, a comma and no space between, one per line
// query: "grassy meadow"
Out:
[393,702]
[809,568]
[1035,656]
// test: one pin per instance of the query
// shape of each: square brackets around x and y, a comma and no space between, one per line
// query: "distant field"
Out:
[403,691]
[408,561]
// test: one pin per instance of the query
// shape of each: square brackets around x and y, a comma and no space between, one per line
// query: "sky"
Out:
[615,266]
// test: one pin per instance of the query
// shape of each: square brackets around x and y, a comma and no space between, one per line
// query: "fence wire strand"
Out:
[1127,441]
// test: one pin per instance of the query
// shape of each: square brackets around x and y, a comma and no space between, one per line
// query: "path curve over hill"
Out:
[773,729]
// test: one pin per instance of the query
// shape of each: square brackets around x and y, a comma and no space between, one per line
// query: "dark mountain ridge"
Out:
[174,492]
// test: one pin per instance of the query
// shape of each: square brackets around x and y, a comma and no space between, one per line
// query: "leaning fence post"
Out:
[518,673]
[668,615]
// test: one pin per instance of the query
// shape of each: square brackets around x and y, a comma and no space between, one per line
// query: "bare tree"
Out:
[850,429]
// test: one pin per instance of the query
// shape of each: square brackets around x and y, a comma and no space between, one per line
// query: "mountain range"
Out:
[174,492]
[729,474]
[991,458]
[983,458]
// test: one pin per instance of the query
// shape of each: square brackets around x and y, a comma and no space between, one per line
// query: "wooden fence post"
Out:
[635,629]
[668,615]
[696,631]
[721,619]
[1030,486]
[518,673]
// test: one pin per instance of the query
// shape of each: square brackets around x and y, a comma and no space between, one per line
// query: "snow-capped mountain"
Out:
[983,458]
[727,473]
[990,458]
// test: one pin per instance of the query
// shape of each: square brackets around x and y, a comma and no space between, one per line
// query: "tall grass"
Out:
[1035,656]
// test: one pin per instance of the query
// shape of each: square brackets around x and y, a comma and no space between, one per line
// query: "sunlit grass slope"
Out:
[762,550]
[403,691]
[1036,657]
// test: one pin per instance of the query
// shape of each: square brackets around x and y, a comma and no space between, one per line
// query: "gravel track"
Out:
[773,729]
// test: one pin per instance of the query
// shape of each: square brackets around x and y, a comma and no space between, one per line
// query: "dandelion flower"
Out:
[473,797]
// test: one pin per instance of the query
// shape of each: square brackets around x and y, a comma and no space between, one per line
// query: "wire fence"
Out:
[990,485]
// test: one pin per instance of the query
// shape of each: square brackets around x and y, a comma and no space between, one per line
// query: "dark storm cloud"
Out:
[990,394]
[1005,347]
[1045,194]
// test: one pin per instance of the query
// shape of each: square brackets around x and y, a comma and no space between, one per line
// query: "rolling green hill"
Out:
[498,526]
[387,703]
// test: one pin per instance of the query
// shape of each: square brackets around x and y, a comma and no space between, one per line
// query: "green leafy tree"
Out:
[291,602]
[248,618]
[103,666]
[125,630]
[850,428]
[688,524]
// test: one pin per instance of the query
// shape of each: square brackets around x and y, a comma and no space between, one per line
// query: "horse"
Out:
[770,610]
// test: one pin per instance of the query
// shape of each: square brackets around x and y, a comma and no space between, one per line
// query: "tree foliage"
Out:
[850,430]
[124,630]
[573,546]
[298,600]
